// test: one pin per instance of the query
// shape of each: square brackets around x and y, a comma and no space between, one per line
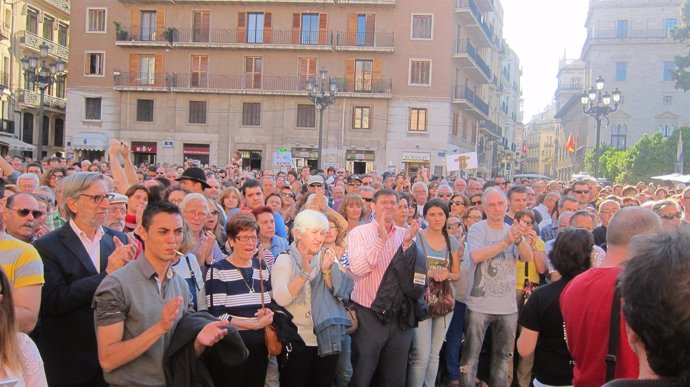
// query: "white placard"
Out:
[462,161]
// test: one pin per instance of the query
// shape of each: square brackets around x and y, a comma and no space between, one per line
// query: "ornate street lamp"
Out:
[323,94]
[43,75]
[596,102]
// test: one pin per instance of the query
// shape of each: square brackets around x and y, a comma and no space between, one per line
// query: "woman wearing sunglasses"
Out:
[458,204]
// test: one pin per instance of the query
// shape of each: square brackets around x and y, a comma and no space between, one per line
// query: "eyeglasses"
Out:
[526,222]
[354,184]
[457,203]
[196,214]
[56,176]
[445,195]
[98,198]
[453,225]
[214,212]
[246,238]
[476,203]
[671,216]
[366,183]
[368,200]
[287,195]
[581,192]
[317,185]
[24,212]
[474,217]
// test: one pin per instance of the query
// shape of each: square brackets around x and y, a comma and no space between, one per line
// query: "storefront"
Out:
[200,152]
[251,158]
[144,152]
[88,145]
[305,157]
[414,160]
[360,161]
[12,146]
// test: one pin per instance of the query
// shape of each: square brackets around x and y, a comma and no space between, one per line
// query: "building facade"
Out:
[541,143]
[26,27]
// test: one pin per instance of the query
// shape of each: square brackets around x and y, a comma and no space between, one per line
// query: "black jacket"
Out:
[402,287]
[184,369]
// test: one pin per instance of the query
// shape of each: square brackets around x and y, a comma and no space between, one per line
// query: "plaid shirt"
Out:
[54,220]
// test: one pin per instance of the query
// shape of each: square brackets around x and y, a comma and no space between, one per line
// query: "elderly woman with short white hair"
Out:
[309,282]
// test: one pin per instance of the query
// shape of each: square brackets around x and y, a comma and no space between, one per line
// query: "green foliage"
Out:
[651,155]
[682,34]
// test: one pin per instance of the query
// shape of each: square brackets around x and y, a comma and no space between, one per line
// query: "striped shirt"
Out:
[20,262]
[369,258]
[229,294]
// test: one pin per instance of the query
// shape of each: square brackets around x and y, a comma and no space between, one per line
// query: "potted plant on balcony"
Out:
[170,34]
[120,34]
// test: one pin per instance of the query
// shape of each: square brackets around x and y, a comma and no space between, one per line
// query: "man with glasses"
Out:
[581,192]
[21,212]
[77,256]
[315,184]
[353,183]
[473,187]
[606,211]
[444,192]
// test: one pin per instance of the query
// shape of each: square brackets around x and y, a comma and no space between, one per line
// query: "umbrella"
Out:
[677,177]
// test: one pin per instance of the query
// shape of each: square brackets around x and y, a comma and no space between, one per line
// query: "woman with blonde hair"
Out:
[20,360]
[353,210]
[230,199]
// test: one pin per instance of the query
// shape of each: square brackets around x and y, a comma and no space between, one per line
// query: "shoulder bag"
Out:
[439,295]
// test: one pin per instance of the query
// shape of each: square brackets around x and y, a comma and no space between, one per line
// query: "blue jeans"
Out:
[503,328]
[343,370]
[454,337]
[426,345]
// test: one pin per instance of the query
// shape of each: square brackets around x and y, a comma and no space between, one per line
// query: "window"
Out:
[62,34]
[147,69]
[422,27]
[197,112]
[251,114]
[32,20]
[95,20]
[310,28]
[669,68]
[60,86]
[417,120]
[92,108]
[255,27]
[622,28]
[668,100]
[621,71]
[252,72]
[669,24]
[420,72]
[147,26]
[145,110]
[361,30]
[667,130]
[361,117]
[48,23]
[306,116]
[59,132]
[201,22]
[456,123]
[364,70]
[95,63]
[199,71]
[307,71]
[619,135]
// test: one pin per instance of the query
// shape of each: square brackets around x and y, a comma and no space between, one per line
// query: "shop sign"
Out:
[144,147]
[416,157]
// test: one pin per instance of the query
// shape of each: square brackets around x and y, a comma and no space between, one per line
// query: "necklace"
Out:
[246,272]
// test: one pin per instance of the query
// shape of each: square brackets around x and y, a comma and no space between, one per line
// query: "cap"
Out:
[352,178]
[117,198]
[194,174]
[315,179]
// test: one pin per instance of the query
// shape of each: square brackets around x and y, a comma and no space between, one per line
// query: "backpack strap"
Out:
[614,335]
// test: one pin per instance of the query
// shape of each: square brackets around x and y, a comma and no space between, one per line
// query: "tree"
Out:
[681,74]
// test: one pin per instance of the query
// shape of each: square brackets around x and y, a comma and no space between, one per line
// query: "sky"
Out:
[539,31]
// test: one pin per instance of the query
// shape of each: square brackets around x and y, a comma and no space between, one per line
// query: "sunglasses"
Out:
[453,225]
[671,216]
[581,192]
[317,185]
[477,203]
[24,212]
[457,203]
[368,200]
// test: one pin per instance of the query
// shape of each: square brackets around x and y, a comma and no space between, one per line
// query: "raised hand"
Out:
[170,311]
[411,231]
[212,333]
[122,254]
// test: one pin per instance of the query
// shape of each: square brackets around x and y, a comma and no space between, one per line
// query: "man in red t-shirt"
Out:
[586,304]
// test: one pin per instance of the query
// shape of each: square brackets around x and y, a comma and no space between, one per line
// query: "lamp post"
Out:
[43,75]
[322,93]
[596,102]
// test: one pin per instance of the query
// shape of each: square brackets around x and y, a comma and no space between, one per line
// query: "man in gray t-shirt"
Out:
[493,248]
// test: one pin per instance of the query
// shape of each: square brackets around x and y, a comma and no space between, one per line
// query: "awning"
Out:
[89,141]
[196,149]
[16,144]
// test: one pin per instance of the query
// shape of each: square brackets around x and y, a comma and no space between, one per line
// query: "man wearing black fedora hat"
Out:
[193,179]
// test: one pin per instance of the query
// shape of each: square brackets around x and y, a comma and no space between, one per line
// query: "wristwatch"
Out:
[304,274]
[517,242]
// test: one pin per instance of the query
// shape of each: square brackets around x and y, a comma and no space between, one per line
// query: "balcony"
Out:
[491,128]
[485,5]
[62,5]
[478,29]
[470,101]
[632,35]
[31,98]
[319,2]
[33,42]
[250,84]
[472,62]
[227,38]
[7,126]
[364,41]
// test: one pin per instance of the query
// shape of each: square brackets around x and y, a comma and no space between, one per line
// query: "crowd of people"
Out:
[115,274]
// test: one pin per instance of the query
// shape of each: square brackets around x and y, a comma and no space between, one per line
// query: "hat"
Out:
[315,179]
[680,186]
[194,174]
[352,178]
[117,198]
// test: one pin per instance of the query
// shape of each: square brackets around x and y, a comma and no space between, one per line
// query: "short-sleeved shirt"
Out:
[188,268]
[134,295]
[21,262]
[542,313]
[492,282]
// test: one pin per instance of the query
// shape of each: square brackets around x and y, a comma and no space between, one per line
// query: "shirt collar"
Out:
[148,271]
[97,236]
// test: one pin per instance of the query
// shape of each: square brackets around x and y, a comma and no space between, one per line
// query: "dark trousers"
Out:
[305,368]
[380,349]
[95,381]
[251,373]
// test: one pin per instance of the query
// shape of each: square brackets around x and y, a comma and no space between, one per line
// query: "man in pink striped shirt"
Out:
[376,345]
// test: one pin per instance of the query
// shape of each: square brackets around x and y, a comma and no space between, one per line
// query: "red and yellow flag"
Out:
[570,144]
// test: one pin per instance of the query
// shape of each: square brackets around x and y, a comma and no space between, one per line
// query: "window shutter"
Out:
[352,29]
[296,19]
[268,29]
[323,32]
[159,79]
[133,68]
[160,24]
[349,75]
[370,30]
[87,63]
[376,83]
[241,27]
[135,24]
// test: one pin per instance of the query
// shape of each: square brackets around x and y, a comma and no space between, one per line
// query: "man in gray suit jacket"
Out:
[77,257]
